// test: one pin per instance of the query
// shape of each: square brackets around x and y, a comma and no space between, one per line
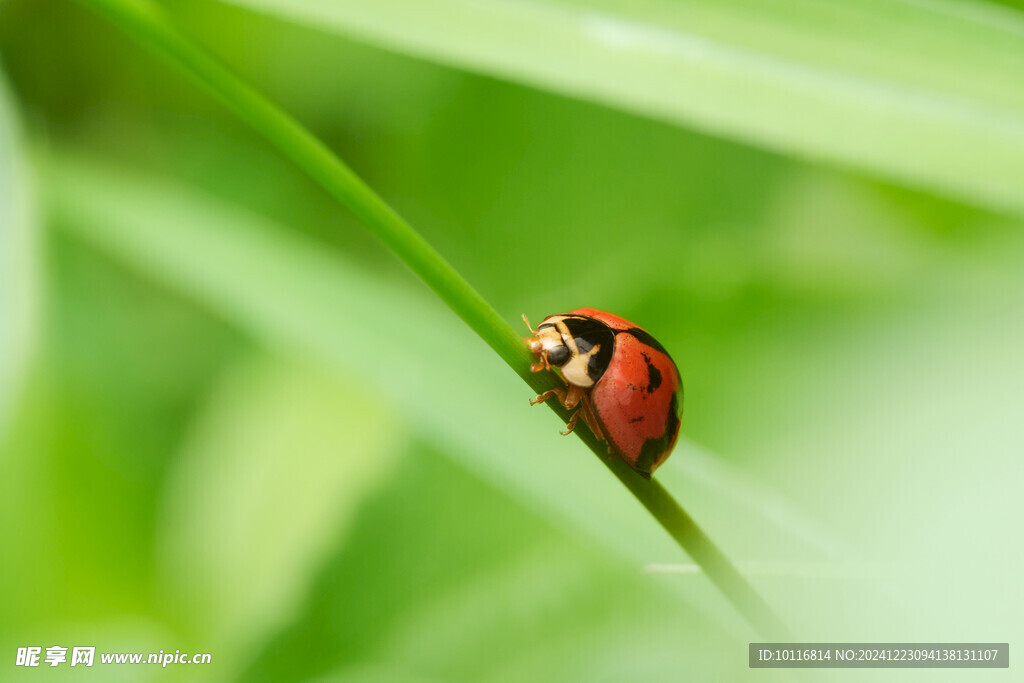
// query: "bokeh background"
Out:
[231,422]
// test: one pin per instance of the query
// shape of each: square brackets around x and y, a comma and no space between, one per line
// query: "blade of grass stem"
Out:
[146,23]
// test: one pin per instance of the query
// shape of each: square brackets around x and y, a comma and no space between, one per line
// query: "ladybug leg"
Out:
[568,398]
[587,413]
[590,418]
[571,398]
[560,393]
[572,422]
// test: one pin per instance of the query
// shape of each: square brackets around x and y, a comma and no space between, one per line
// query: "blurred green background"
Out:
[231,422]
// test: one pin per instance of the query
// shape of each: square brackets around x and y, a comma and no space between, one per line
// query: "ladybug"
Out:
[626,385]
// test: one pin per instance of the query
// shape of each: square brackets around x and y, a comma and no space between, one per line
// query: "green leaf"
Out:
[280,458]
[922,93]
[18,259]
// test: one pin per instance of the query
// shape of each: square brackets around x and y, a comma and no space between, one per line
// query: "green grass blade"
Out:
[18,282]
[922,93]
[144,22]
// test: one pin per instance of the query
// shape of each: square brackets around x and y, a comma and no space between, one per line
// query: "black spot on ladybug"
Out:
[639,418]
[645,338]
[652,448]
[653,374]
[599,363]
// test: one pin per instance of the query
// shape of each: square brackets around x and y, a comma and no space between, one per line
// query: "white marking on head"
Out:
[575,371]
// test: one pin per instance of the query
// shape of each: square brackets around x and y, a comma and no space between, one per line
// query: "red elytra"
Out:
[625,383]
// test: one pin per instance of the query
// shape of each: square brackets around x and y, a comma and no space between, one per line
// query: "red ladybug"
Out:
[626,386]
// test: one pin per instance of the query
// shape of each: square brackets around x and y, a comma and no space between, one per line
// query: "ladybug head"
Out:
[579,346]
[548,345]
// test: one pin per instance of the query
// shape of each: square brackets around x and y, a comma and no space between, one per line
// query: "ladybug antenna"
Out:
[528,325]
